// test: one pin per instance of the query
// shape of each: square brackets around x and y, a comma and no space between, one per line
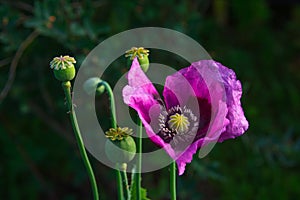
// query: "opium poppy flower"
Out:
[200,106]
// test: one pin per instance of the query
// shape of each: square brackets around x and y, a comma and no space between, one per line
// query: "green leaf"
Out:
[133,191]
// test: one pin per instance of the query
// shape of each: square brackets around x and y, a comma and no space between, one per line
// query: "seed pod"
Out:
[144,63]
[142,55]
[63,68]
[65,74]
[120,147]
[120,151]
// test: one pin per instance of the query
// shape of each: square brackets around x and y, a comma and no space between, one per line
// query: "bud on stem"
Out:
[63,68]
[94,84]
[142,55]
[120,146]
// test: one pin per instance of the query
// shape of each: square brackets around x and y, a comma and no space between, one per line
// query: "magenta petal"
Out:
[186,158]
[238,123]
[178,88]
[184,85]
[207,86]
[138,79]
[227,117]
[141,95]
[216,90]
[140,92]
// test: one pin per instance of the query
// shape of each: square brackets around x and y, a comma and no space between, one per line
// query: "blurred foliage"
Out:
[259,39]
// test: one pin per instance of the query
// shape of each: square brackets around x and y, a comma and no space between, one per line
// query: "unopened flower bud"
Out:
[142,55]
[93,84]
[120,146]
[63,68]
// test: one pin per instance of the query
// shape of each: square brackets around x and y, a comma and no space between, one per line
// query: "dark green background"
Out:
[258,39]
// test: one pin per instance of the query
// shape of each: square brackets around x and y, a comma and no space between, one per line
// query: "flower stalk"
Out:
[139,159]
[112,103]
[125,181]
[173,180]
[123,186]
[120,185]
[64,71]
[67,90]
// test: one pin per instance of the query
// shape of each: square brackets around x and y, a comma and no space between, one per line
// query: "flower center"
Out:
[179,122]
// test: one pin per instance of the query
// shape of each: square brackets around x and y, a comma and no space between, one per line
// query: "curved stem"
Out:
[122,175]
[112,103]
[173,180]
[67,90]
[139,160]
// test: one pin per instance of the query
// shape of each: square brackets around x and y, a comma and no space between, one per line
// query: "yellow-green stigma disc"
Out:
[179,122]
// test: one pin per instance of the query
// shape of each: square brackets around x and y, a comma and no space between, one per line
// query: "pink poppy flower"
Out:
[200,106]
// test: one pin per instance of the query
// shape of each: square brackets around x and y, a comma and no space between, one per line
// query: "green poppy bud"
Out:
[120,147]
[93,84]
[142,55]
[144,63]
[63,68]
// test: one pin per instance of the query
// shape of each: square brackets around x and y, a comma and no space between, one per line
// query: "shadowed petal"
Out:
[227,117]
[183,86]
[201,81]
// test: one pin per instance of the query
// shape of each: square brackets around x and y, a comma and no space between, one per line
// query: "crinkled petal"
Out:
[201,81]
[227,117]
[208,88]
[216,90]
[238,123]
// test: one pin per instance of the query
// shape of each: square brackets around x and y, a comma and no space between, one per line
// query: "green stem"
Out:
[120,186]
[67,90]
[139,160]
[125,180]
[112,103]
[173,180]
[122,176]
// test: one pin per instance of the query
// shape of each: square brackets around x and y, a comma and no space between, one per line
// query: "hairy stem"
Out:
[67,90]
[125,180]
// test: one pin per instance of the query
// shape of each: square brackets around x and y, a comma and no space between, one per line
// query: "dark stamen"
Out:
[167,132]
